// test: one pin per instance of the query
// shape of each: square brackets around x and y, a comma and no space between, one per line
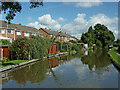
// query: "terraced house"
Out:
[60,36]
[15,31]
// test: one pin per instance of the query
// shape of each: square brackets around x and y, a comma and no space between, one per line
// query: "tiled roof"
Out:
[18,27]
[51,32]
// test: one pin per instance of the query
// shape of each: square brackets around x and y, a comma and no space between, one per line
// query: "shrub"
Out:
[26,49]
[5,42]
[62,50]
[4,60]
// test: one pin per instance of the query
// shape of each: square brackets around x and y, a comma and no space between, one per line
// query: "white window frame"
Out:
[2,31]
[19,33]
[26,34]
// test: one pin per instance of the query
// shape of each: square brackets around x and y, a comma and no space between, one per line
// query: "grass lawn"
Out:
[13,62]
[114,56]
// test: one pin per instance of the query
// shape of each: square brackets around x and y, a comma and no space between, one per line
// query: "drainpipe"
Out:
[14,34]
[6,29]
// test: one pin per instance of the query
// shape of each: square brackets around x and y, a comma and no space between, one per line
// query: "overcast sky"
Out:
[73,18]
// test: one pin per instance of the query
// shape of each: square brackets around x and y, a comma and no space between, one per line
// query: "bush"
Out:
[5,42]
[4,60]
[62,50]
[77,48]
[25,49]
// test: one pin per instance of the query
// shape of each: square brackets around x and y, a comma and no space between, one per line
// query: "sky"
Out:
[73,18]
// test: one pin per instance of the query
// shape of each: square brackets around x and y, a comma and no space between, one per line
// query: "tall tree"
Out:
[104,34]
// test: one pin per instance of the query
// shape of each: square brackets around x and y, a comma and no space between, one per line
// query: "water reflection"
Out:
[67,71]
[96,59]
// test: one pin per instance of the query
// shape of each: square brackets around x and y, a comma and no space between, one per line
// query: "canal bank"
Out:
[115,58]
[32,61]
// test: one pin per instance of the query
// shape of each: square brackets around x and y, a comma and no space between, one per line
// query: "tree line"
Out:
[99,35]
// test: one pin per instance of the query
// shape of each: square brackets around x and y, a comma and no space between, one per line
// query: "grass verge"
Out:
[13,62]
[114,56]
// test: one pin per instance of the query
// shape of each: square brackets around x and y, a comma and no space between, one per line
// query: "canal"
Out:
[91,69]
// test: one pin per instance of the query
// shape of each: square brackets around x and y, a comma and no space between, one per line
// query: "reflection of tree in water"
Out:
[35,73]
[96,59]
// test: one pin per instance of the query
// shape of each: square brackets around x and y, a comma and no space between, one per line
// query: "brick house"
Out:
[61,37]
[15,31]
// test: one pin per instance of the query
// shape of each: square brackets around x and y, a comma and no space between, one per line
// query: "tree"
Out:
[11,8]
[98,43]
[103,34]
[86,38]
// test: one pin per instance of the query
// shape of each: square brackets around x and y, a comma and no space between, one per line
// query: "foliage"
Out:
[72,41]
[98,43]
[114,56]
[20,49]
[4,60]
[101,33]
[118,50]
[77,48]
[12,8]
[25,49]
[38,47]
[5,42]
[62,50]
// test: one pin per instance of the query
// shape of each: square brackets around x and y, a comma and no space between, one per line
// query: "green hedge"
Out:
[114,56]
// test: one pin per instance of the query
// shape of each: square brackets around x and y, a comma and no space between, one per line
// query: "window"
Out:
[2,31]
[26,34]
[34,34]
[51,36]
[10,31]
[18,33]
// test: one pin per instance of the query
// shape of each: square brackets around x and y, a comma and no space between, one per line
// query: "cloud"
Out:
[46,21]
[85,3]
[61,19]
[80,24]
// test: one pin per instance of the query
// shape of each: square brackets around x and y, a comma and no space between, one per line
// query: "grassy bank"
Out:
[114,56]
[9,63]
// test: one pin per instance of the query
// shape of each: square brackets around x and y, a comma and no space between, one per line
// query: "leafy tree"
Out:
[86,38]
[98,43]
[104,34]
[11,8]
[99,35]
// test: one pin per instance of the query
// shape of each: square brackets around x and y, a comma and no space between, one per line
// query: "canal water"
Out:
[91,69]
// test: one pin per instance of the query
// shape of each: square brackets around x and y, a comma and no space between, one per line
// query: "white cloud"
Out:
[46,21]
[85,3]
[61,19]
[80,24]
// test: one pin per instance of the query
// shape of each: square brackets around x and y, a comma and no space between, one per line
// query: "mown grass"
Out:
[114,56]
[13,62]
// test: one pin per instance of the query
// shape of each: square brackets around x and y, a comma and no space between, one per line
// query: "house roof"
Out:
[51,32]
[18,27]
